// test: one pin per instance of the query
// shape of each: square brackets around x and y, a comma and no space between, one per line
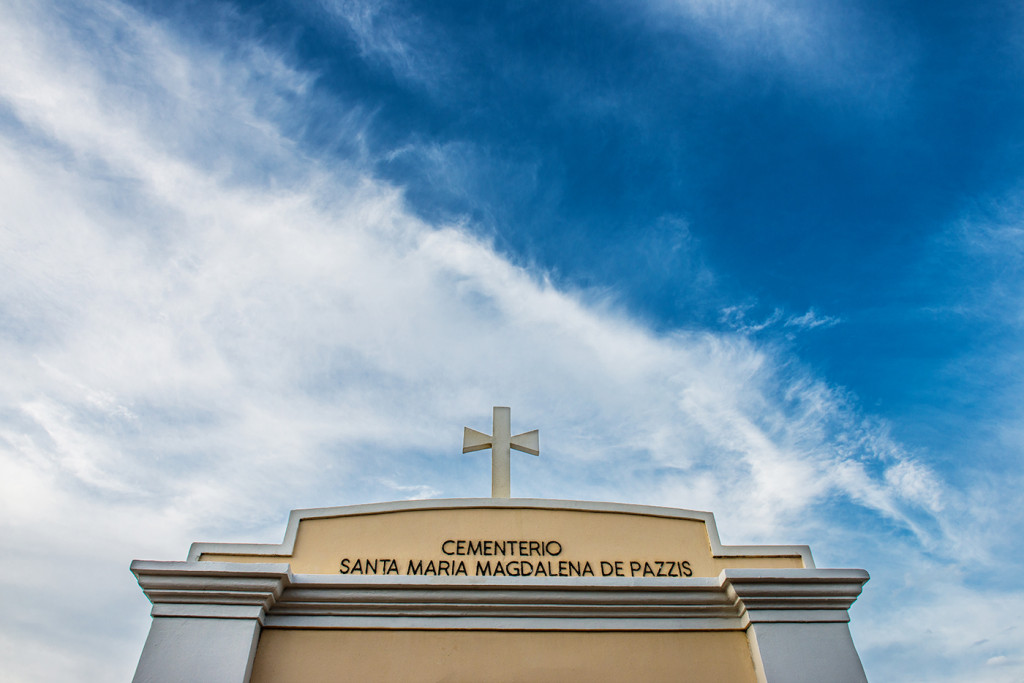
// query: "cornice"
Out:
[211,589]
[272,594]
[794,594]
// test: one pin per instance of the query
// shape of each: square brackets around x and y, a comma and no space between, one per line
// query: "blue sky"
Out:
[757,257]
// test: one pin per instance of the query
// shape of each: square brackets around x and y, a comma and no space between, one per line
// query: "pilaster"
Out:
[206,619]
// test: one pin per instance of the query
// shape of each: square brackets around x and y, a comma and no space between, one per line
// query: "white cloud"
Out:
[830,46]
[737,317]
[989,237]
[191,348]
[387,35]
[811,320]
[945,632]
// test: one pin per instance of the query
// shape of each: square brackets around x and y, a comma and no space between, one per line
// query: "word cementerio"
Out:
[501,548]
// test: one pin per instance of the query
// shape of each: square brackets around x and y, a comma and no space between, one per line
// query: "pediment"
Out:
[506,538]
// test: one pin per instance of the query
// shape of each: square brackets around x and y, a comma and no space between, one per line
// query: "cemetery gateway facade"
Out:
[496,589]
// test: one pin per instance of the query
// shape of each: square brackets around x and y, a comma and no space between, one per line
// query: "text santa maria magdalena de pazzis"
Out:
[462,557]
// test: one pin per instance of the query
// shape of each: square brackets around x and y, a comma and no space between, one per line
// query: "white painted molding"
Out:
[287,546]
[211,589]
[794,595]
[272,594]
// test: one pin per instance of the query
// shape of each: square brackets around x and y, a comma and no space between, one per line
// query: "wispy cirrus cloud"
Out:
[812,320]
[391,36]
[737,317]
[834,47]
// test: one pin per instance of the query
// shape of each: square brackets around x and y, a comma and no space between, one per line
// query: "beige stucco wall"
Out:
[367,656]
[582,535]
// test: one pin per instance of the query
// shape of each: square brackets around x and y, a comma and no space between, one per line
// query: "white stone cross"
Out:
[500,444]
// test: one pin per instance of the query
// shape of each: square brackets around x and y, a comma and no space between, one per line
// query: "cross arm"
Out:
[527,442]
[473,440]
